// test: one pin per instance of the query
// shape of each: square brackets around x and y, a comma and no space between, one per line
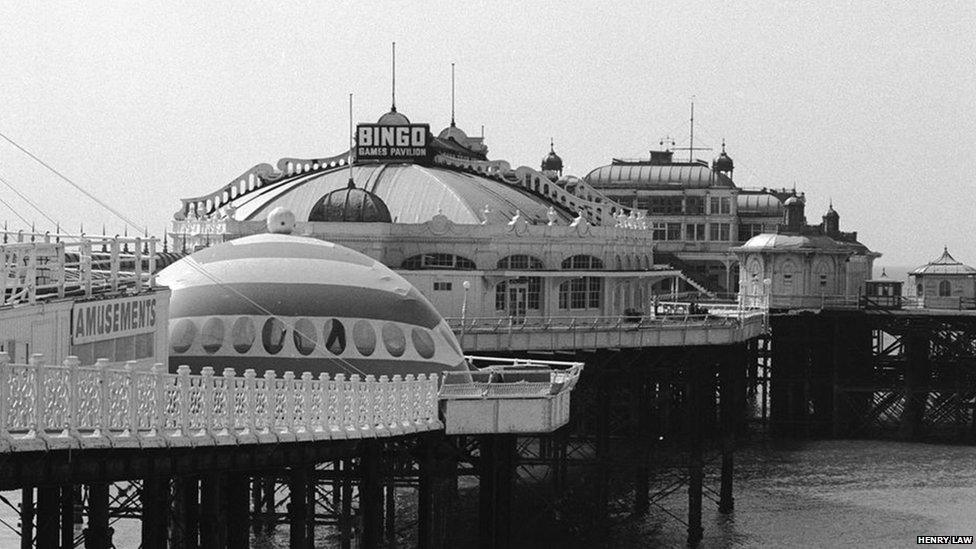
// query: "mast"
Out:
[352,142]
[393,108]
[452,95]
[691,146]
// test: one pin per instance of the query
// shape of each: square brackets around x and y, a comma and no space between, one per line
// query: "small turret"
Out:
[794,213]
[552,165]
[723,162]
[831,221]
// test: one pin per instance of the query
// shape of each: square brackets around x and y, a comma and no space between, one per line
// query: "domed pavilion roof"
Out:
[289,303]
[552,162]
[944,265]
[412,193]
[350,204]
[787,243]
[393,118]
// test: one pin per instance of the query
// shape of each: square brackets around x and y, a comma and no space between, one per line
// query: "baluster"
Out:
[152,261]
[60,270]
[368,402]
[158,407]
[393,403]
[322,421]
[378,407]
[207,398]
[137,266]
[114,265]
[270,402]
[132,411]
[40,410]
[306,414]
[5,398]
[342,422]
[86,266]
[183,371]
[102,422]
[230,401]
[72,363]
[31,278]
[289,412]
[250,402]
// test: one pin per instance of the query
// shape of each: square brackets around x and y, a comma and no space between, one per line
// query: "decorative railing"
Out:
[668,318]
[46,407]
[41,266]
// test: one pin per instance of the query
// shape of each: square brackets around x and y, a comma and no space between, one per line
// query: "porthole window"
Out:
[304,336]
[364,337]
[273,335]
[242,334]
[393,339]
[335,336]
[422,342]
[184,332]
[212,335]
[449,336]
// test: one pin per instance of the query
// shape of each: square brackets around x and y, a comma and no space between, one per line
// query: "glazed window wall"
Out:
[660,205]
[520,262]
[533,292]
[718,232]
[274,335]
[720,205]
[120,349]
[695,231]
[438,261]
[580,293]
[694,205]
[582,263]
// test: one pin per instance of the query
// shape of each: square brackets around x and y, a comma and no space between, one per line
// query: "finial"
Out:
[551,145]
[351,184]
[393,108]
[452,95]
[884,274]
[165,241]
[723,144]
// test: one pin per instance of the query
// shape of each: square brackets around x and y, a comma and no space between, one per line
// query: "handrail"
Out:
[33,268]
[506,378]
[69,406]
[678,319]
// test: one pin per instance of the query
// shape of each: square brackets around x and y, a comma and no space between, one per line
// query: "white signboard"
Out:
[112,318]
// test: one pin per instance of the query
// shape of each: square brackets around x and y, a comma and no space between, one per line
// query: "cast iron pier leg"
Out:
[298,508]
[695,404]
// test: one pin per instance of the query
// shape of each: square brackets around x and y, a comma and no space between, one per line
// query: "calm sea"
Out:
[799,494]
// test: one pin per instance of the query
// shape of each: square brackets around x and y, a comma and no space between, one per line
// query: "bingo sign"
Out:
[112,318]
[406,143]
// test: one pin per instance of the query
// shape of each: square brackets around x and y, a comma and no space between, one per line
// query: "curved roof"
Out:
[765,205]
[784,242]
[393,118]
[689,176]
[350,204]
[294,291]
[944,265]
[412,193]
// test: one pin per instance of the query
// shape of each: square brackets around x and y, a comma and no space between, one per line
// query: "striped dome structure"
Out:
[289,303]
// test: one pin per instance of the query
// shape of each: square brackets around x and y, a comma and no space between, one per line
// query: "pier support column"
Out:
[298,509]
[213,527]
[495,490]
[27,518]
[437,491]
[185,514]
[371,494]
[155,505]
[696,386]
[916,382]
[642,411]
[270,512]
[256,500]
[730,412]
[48,514]
[236,511]
[98,535]
[67,516]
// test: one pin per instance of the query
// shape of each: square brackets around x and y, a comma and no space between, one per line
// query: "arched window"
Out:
[583,263]
[526,290]
[945,289]
[438,261]
[520,262]
[919,290]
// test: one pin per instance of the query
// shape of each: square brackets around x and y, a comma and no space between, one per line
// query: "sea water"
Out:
[787,494]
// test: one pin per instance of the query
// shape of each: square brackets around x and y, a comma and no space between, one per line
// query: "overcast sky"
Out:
[872,106]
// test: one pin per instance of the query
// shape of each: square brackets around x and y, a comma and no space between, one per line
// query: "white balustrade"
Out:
[70,406]
[33,268]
